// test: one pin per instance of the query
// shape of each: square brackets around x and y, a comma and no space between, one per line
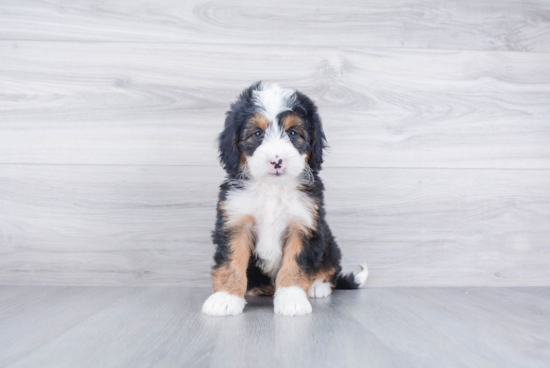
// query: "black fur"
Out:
[255,276]
[239,113]
[307,110]
[320,250]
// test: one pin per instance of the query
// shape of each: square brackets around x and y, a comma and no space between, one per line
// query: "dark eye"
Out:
[292,133]
[258,134]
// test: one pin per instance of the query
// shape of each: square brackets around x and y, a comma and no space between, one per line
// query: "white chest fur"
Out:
[274,208]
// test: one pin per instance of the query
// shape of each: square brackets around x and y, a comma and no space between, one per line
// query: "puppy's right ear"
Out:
[228,140]
[228,145]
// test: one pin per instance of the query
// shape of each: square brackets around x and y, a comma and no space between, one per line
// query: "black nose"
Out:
[277,164]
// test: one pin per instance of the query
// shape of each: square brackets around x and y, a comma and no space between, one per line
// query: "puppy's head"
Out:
[274,134]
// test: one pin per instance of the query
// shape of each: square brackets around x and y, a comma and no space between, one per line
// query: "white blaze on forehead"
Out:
[271,100]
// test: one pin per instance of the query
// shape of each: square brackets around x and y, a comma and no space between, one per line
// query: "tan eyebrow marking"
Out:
[292,120]
[258,120]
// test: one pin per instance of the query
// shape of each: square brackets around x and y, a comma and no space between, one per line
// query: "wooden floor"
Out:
[381,327]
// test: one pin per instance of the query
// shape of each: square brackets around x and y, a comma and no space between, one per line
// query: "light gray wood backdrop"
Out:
[437,114]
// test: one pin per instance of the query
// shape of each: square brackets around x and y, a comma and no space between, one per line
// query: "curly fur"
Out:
[271,148]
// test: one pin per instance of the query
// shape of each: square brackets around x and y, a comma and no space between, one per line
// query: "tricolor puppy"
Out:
[271,236]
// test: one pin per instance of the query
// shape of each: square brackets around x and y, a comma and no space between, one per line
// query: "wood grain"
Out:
[436,113]
[164,104]
[150,225]
[383,327]
[466,24]
[36,315]
[455,322]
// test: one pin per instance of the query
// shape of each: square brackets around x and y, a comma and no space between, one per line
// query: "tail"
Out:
[352,281]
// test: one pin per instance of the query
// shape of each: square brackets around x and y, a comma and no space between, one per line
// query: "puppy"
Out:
[271,236]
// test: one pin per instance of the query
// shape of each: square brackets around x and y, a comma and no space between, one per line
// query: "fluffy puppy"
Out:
[271,236]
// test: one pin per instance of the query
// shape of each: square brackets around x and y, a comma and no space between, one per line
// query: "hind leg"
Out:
[322,286]
[320,289]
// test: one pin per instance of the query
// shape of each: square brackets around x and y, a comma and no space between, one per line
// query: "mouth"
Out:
[277,173]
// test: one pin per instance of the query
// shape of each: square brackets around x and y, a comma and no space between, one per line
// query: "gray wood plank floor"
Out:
[384,327]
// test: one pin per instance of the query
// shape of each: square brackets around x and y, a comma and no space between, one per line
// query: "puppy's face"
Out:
[274,151]
[273,134]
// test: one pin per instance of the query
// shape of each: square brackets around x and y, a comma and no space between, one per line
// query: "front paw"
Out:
[223,304]
[291,301]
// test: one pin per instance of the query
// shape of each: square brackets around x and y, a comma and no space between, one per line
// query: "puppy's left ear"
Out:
[318,142]
[228,145]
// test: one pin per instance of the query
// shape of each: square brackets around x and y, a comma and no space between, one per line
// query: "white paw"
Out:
[320,289]
[291,301]
[223,304]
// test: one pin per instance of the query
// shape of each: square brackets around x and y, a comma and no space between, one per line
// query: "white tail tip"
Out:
[362,276]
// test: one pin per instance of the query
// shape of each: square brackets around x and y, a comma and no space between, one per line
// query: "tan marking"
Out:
[292,120]
[290,273]
[231,277]
[257,120]
[262,290]
[243,159]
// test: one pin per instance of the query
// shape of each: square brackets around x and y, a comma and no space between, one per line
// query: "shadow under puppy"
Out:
[271,236]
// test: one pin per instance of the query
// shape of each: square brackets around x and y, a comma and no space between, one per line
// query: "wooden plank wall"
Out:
[437,114]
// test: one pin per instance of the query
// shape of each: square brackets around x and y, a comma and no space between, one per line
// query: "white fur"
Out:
[276,143]
[270,99]
[273,208]
[273,201]
[320,289]
[362,276]
[291,301]
[223,304]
